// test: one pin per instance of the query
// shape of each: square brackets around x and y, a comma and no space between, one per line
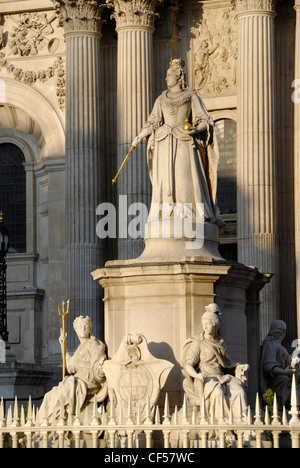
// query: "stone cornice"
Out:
[254,6]
[134,13]
[80,15]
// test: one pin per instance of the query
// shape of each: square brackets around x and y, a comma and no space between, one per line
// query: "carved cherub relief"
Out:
[215,52]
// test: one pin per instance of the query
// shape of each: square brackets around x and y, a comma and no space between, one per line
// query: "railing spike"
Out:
[249,416]
[138,416]
[167,417]
[2,413]
[95,420]
[16,413]
[157,416]
[221,419]
[130,412]
[230,416]
[22,416]
[276,419]
[194,415]
[203,412]
[29,412]
[148,412]
[77,421]
[176,415]
[267,416]
[212,414]
[112,419]
[9,419]
[121,414]
[185,411]
[34,421]
[294,412]
[257,417]
[284,417]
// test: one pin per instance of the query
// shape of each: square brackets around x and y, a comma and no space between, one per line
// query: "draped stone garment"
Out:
[86,379]
[183,168]
[221,389]
[273,356]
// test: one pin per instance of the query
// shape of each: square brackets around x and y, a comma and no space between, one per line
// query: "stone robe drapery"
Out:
[86,379]
[221,389]
[274,355]
[183,168]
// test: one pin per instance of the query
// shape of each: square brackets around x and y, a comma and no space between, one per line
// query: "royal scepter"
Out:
[63,312]
[123,164]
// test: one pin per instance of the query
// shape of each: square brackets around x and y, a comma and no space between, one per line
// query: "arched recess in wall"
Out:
[30,123]
[225,126]
[40,110]
[13,194]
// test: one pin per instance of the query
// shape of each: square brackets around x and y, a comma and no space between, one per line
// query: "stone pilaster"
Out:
[297,161]
[257,207]
[135,27]
[82,22]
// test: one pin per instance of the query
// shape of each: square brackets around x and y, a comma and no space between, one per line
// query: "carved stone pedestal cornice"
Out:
[80,15]
[257,6]
[134,13]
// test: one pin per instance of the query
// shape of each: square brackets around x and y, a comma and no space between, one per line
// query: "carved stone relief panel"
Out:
[30,34]
[214,51]
[32,49]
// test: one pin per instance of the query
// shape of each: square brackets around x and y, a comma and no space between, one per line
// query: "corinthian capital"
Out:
[80,15]
[134,12]
[297,4]
[244,6]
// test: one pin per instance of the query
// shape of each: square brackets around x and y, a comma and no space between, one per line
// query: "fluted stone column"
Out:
[297,161]
[166,41]
[82,23]
[135,27]
[285,69]
[257,210]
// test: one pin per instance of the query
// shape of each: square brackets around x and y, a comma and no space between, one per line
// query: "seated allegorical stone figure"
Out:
[210,373]
[277,365]
[86,378]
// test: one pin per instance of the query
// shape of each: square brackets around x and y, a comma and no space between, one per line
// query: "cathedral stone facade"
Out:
[78,80]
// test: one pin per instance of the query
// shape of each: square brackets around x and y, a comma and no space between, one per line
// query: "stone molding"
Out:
[31,77]
[80,15]
[134,13]
[297,4]
[257,6]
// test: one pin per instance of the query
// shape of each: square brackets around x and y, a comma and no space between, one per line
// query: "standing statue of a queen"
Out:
[182,157]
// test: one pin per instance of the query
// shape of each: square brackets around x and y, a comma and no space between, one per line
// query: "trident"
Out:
[63,314]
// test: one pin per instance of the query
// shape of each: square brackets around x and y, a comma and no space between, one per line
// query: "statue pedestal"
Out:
[165,298]
[166,239]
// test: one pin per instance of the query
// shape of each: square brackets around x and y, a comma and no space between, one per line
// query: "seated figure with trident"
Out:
[86,378]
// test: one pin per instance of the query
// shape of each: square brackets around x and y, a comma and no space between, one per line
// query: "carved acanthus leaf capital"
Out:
[244,6]
[134,12]
[297,4]
[80,15]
